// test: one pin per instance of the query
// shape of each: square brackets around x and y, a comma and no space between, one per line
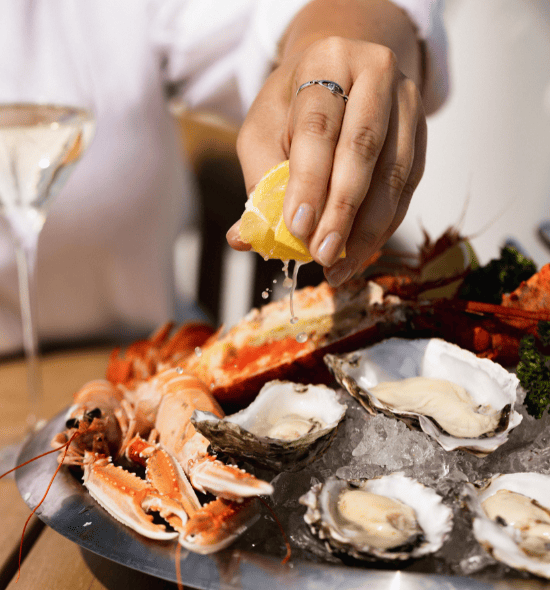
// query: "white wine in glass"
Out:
[39,146]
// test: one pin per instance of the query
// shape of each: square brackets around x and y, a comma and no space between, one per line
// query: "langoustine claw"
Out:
[183,394]
[208,528]
[128,498]
[217,524]
[104,418]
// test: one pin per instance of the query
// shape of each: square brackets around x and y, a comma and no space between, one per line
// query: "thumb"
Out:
[233,237]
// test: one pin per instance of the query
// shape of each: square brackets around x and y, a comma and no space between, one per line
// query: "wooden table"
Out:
[50,561]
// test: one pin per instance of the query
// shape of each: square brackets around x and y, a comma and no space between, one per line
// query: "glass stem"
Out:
[26,269]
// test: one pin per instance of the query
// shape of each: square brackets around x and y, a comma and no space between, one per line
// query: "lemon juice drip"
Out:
[297,266]
[287,283]
[290,283]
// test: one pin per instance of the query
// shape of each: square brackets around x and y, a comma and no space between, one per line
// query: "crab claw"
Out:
[217,524]
[207,474]
[125,497]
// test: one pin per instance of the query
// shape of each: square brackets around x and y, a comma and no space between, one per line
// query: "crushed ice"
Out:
[368,446]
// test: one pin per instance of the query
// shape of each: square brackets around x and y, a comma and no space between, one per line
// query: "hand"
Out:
[353,166]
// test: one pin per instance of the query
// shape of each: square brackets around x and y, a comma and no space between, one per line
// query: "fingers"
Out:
[415,175]
[315,129]
[353,166]
[398,170]
[363,134]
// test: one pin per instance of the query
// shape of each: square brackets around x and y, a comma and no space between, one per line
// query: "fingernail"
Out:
[341,272]
[330,249]
[303,221]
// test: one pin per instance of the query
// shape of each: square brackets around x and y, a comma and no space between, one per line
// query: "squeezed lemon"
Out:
[263,227]
[262,224]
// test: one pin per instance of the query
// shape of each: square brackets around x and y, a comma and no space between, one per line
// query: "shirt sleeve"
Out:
[219,53]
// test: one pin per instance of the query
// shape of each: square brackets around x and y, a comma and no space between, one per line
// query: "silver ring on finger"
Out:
[334,87]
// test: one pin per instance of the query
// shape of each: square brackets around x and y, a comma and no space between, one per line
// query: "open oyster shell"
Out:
[491,390]
[342,535]
[526,546]
[284,428]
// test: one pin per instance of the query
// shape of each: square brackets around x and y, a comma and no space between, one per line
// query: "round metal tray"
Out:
[69,510]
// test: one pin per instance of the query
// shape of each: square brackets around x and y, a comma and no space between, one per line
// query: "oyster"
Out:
[512,519]
[284,428]
[460,400]
[390,517]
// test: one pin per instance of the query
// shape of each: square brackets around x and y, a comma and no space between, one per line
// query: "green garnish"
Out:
[534,371]
[502,275]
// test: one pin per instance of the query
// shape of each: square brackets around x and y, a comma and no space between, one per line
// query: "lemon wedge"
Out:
[262,224]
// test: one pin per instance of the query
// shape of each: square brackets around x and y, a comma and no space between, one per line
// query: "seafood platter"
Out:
[392,439]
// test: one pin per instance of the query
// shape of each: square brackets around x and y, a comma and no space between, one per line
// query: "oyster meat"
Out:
[285,427]
[512,519]
[390,517]
[531,519]
[387,523]
[460,400]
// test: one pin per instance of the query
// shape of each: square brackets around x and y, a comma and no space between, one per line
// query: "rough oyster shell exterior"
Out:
[497,539]
[434,518]
[487,383]
[251,434]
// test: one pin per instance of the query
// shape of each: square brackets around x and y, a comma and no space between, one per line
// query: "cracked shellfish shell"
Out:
[392,517]
[287,426]
[485,391]
[512,519]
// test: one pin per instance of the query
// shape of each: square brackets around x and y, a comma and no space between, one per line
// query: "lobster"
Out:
[394,299]
[492,331]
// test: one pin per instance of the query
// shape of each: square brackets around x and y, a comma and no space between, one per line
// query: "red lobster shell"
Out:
[266,346]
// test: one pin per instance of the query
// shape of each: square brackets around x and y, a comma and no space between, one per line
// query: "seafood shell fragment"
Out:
[390,518]
[286,426]
[512,519]
[460,400]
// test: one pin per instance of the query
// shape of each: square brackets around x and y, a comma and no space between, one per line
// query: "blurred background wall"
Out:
[489,146]
[488,157]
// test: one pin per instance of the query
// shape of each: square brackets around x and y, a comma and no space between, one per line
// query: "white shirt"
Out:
[106,250]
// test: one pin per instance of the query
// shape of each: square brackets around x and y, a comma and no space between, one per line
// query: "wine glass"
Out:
[46,123]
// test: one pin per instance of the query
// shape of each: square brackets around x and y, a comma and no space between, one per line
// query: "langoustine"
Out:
[111,422]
